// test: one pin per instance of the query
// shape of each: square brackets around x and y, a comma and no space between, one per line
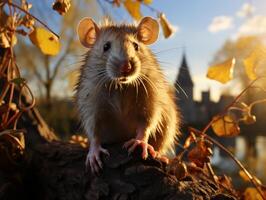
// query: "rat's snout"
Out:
[126,68]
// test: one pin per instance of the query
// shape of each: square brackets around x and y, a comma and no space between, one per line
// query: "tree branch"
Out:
[59,62]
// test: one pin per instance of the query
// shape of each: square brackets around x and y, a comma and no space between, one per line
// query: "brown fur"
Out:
[112,111]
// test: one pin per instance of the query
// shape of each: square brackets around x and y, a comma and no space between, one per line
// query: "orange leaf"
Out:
[168,29]
[200,154]
[133,8]
[252,194]
[190,139]
[222,72]
[225,126]
[243,175]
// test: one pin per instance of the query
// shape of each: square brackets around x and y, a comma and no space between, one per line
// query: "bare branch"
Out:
[59,62]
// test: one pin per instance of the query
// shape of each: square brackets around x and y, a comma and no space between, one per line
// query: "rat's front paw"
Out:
[133,143]
[93,158]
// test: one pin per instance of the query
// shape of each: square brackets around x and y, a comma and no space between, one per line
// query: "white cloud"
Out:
[220,23]
[246,10]
[254,25]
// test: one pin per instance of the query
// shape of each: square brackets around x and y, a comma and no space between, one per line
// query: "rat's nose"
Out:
[126,68]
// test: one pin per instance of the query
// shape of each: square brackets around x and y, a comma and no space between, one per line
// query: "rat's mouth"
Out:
[123,79]
[125,76]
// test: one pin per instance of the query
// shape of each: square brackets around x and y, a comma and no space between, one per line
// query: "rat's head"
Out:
[118,51]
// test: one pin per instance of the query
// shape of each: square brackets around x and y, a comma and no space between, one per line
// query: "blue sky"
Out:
[203,27]
[193,17]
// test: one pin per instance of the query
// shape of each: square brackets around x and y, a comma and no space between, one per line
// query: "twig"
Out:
[257,102]
[26,12]
[230,105]
[209,167]
[251,178]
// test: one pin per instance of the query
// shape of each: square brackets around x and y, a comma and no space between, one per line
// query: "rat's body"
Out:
[122,94]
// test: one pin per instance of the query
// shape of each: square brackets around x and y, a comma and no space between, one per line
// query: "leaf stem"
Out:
[26,12]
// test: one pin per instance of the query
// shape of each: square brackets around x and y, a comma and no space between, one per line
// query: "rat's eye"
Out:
[136,46]
[106,46]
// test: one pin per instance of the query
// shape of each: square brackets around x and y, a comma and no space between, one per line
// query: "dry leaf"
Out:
[249,119]
[168,29]
[46,41]
[225,126]
[133,8]
[252,193]
[61,6]
[200,154]
[28,21]
[79,139]
[253,61]
[180,170]
[190,139]
[116,3]
[222,72]
[18,81]
[12,145]
[226,181]
[4,43]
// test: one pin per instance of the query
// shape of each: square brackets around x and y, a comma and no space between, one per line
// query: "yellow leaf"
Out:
[46,41]
[133,8]
[222,72]
[252,194]
[147,1]
[225,126]
[168,29]
[253,61]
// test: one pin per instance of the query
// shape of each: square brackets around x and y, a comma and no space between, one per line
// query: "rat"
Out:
[122,94]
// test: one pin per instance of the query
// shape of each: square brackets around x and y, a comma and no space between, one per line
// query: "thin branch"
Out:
[59,62]
[251,178]
[38,75]
[231,104]
[257,102]
[26,12]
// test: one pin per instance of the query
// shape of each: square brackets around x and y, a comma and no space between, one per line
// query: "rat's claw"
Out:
[162,158]
[93,159]
[128,143]
[105,151]
[133,143]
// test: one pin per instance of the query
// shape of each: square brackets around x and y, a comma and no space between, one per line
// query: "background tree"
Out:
[44,70]
[242,49]
[239,49]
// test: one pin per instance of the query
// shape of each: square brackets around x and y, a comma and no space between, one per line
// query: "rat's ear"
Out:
[148,30]
[87,32]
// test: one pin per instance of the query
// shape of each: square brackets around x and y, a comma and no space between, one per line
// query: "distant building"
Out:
[197,113]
